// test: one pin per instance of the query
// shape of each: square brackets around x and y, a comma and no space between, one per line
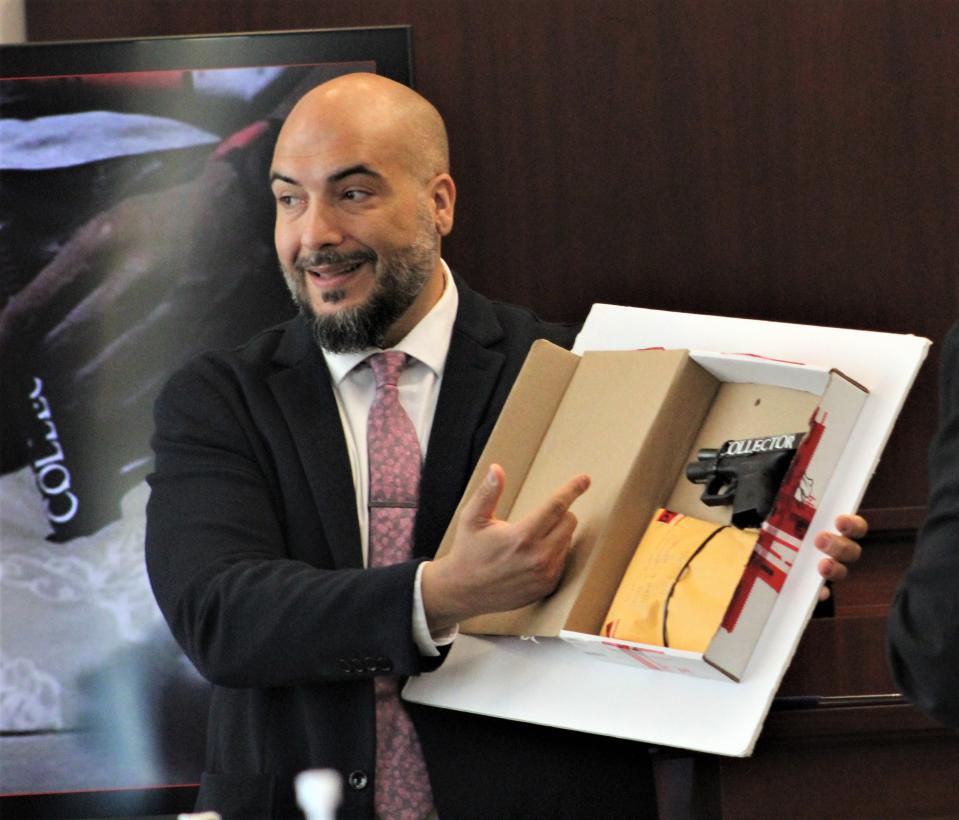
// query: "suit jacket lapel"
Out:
[305,396]
[469,378]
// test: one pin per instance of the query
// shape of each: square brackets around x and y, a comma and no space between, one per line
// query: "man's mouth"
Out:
[334,271]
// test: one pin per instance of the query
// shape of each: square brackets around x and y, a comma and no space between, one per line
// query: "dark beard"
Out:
[400,276]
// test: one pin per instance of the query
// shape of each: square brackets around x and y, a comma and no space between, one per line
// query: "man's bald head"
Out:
[363,199]
[369,107]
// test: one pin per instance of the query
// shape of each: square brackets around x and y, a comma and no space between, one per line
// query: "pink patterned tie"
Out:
[402,784]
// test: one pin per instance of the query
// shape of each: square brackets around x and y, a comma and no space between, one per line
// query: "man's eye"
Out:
[287,200]
[355,195]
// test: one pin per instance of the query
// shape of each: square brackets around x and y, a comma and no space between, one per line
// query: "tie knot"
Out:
[387,366]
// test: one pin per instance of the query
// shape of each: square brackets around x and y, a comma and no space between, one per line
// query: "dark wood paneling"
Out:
[820,667]
[838,743]
[791,161]
[898,778]
[872,583]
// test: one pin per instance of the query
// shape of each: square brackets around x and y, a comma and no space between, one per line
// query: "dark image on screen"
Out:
[135,231]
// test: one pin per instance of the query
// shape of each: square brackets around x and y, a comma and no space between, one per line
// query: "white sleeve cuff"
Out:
[427,642]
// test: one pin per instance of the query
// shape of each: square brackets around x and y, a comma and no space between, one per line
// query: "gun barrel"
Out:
[699,472]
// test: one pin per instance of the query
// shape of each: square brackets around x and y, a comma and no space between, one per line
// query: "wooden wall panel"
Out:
[791,161]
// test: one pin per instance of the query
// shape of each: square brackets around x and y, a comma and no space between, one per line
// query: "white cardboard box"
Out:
[547,682]
[838,403]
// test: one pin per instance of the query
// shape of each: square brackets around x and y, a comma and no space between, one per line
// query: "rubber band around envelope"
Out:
[679,576]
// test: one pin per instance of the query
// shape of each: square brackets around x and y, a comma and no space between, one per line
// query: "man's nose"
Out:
[321,228]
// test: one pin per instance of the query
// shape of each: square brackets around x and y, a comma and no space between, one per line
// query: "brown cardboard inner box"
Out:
[631,420]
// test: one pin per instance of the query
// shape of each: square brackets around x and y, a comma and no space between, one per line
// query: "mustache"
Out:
[333,258]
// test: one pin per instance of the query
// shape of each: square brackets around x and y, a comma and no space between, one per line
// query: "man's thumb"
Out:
[481,508]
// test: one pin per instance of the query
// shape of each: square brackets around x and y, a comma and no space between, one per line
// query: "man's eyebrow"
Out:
[276,176]
[364,170]
[361,169]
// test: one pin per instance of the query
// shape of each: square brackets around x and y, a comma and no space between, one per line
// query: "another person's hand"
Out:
[495,565]
[841,549]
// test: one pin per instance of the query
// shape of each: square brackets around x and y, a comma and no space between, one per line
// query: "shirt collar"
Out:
[428,341]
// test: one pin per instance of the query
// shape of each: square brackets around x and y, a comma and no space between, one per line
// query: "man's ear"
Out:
[442,192]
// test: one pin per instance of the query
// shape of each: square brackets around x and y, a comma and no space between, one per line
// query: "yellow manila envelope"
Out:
[679,582]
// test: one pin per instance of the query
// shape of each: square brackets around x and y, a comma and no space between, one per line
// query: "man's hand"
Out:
[841,549]
[494,565]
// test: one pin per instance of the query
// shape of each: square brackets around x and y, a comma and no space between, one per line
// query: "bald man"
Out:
[257,537]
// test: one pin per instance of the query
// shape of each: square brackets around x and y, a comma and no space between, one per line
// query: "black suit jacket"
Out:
[253,551]
[923,626]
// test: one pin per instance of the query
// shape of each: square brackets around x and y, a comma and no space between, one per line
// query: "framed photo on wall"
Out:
[135,231]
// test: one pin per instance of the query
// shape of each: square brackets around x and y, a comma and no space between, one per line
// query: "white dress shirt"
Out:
[419,387]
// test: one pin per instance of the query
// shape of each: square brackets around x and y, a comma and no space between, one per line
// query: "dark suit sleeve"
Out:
[236,552]
[923,627]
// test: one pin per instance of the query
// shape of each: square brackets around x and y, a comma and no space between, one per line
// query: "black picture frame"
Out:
[389,47]
[385,50]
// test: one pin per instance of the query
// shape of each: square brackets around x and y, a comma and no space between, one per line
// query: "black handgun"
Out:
[745,473]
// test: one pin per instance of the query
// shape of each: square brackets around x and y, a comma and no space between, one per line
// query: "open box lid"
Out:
[630,443]
[548,683]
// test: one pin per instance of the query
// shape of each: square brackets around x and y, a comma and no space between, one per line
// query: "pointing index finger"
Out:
[542,520]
